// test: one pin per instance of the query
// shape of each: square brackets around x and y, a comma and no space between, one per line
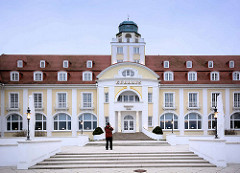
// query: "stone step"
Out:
[130,136]
[130,143]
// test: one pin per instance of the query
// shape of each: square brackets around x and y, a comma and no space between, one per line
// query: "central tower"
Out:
[128,44]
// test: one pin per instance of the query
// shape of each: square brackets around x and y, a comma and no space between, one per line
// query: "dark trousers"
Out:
[109,140]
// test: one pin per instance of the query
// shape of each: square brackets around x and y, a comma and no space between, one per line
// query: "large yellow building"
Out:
[131,90]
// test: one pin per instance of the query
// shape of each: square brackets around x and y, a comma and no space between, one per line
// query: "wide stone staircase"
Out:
[131,136]
[122,160]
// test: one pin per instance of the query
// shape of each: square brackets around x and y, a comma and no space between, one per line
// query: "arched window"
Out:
[128,73]
[236,75]
[166,121]
[41,122]
[235,121]
[214,76]
[14,122]
[87,121]
[211,122]
[62,121]
[193,121]
[128,96]
[168,76]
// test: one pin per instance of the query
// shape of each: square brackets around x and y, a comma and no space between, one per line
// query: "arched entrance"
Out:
[129,124]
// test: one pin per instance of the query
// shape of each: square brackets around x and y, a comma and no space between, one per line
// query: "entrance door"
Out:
[128,124]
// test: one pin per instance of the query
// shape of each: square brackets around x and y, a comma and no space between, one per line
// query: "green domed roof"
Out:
[128,26]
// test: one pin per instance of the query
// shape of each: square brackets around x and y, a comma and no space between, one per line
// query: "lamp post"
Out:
[172,125]
[215,117]
[28,118]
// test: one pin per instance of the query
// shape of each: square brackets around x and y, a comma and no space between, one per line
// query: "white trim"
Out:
[9,101]
[82,106]
[195,107]
[49,113]
[216,92]
[238,74]
[174,105]
[87,73]
[20,63]
[193,73]
[231,64]
[65,64]
[89,64]
[235,92]
[210,64]
[65,75]
[14,73]
[216,74]
[189,129]
[57,101]
[166,64]
[35,73]
[34,100]
[169,78]
[42,64]
[189,64]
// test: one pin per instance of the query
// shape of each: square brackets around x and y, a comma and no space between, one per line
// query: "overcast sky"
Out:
[169,27]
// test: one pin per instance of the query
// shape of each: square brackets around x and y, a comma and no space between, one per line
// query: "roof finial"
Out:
[128,17]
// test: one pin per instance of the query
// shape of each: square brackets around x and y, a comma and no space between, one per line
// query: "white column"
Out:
[145,107]
[101,99]
[111,107]
[205,113]
[155,106]
[32,120]
[74,113]
[227,108]
[49,113]
[119,121]
[2,119]
[137,121]
[25,107]
[181,110]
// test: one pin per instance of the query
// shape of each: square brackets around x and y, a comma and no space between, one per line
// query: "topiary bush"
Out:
[157,130]
[98,131]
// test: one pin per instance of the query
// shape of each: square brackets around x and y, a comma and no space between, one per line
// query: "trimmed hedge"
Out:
[157,130]
[98,131]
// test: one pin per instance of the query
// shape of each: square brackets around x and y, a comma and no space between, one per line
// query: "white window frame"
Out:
[85,76]
[167,105]
[237,103]
[61,74]
[42,63]
[232,122]
[35,77]
[231,64]
[38,104]
[136,50]
[189,64]
[15,104]
[211,119]
[19,121]
[20,63]
[106,97]
[196,120]
[128,73]
[87,104]
[61,105]
[236,75]
[119,50]
[92,121]
[42,121]
[192,76]
[164,121]
[150,97]
[150,121]
[192,104]
[214,76]
[14,76]
[58,122]
[214,99]
[210,64]
[166,64]
[89,64]
[65,64]
[169,77]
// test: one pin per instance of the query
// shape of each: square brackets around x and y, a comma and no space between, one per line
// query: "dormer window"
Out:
[65,64]
[231,64]
[20,63]
[166,64]
[214,76]
[192,76]
[14,76]
[236,75]
[168,76]
[89,64]
[136,50]
[128,73]
[42,64]
[62,76]
[210,64]
[87,76]
[189,64]
[119,50]
[38,76]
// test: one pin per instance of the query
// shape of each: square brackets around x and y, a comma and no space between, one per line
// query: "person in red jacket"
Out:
[108,132]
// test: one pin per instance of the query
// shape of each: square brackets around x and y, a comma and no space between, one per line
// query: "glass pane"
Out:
[236,116]
[68,118]
[38,117]
[192,116]
[131,125]
[80,126]
[94,117]
[69,126]
[231,124]
[62,117]
[8,126]
[80,117]
[175,125]
[62,125]
[237,124]
[55,126]
[44,125]
[15,117]
[168,125]
[193,125]
[56,118]
[162,124]
[38,126]
[94,124]
[199,124]
[186,124]
[125,125]
[87,125]
[87,116]
[15,126]
[209,124]
[168,117]
[21,126]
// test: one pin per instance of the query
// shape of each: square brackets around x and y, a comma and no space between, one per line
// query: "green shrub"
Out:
[157,130]
[98,131]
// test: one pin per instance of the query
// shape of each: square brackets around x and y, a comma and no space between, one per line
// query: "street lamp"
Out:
[215,116]
[172,125]
[28,118]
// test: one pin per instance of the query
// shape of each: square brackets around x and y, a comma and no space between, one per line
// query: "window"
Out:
[168,100]
[236,101]
[42,64]
[38,104]
[62,76]
[61,100]
[89,64]
[231,64]
[214,99]
[210,64]
[193,121]
[136,50]
[211,122]
[137,60]
[168,76]
[106,98]
[87,100]
[20,63]
[192,76]
[119,50]
[236,75]
[62,121]
[128,96]
[166,121]
[14,76]
[214,76]
[149,97]
[37,76]
[65,64]
[14,122]
[150,123]
[41,122]
[166,64]
[87,76]
[235,121]
[87,121]
[193,100]
[13,100]
[189,64]
[128,73]
[119,61]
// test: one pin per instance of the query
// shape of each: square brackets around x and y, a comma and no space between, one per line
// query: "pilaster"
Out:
[2,117]
[101,106]
[25,107]
[181,110]
[227,108]
[205,113]
[74,113]
[155,106]
[49,113]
